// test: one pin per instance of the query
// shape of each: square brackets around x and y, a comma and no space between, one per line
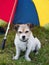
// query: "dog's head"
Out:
[23,31]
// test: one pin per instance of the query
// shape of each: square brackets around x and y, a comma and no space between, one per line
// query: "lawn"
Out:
[41,59]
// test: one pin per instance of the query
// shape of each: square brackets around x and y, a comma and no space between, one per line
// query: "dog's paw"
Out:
[15,58]
[27,58]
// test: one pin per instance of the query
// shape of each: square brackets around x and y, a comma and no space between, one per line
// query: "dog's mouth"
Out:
[24,40]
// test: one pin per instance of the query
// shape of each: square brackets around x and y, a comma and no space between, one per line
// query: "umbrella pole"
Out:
[8,27]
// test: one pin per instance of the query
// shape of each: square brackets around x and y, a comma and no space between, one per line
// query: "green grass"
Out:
[47,26]
[41,59]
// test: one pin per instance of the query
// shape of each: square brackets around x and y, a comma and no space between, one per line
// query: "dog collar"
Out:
[24,41]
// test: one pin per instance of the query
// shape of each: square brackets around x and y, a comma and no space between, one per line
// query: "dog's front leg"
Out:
[17,53]
[27,54]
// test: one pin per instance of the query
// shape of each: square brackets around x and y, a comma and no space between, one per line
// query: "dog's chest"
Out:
[22,45]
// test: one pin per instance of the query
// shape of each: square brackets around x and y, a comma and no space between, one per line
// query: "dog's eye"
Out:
[20,32]
[26,31]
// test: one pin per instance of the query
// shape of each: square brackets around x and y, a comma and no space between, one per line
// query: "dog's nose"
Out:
[23,37]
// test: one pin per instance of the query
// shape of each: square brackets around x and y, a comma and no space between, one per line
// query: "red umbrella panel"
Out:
[6,7]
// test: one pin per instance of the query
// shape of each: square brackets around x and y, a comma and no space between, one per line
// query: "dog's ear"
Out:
[16,27]
[30,26]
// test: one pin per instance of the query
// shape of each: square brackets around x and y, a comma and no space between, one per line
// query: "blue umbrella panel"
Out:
[26,13]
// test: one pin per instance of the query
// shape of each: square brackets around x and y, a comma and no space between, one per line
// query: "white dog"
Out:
[25,41]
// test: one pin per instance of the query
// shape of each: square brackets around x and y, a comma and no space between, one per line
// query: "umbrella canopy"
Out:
[26,13]
[42,7]
[6,12]
[6,7]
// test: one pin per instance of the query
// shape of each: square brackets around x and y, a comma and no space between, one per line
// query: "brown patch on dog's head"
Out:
[16,27]
[24,26]
[30,25]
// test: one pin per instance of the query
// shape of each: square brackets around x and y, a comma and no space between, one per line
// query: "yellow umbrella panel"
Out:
[42,7]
